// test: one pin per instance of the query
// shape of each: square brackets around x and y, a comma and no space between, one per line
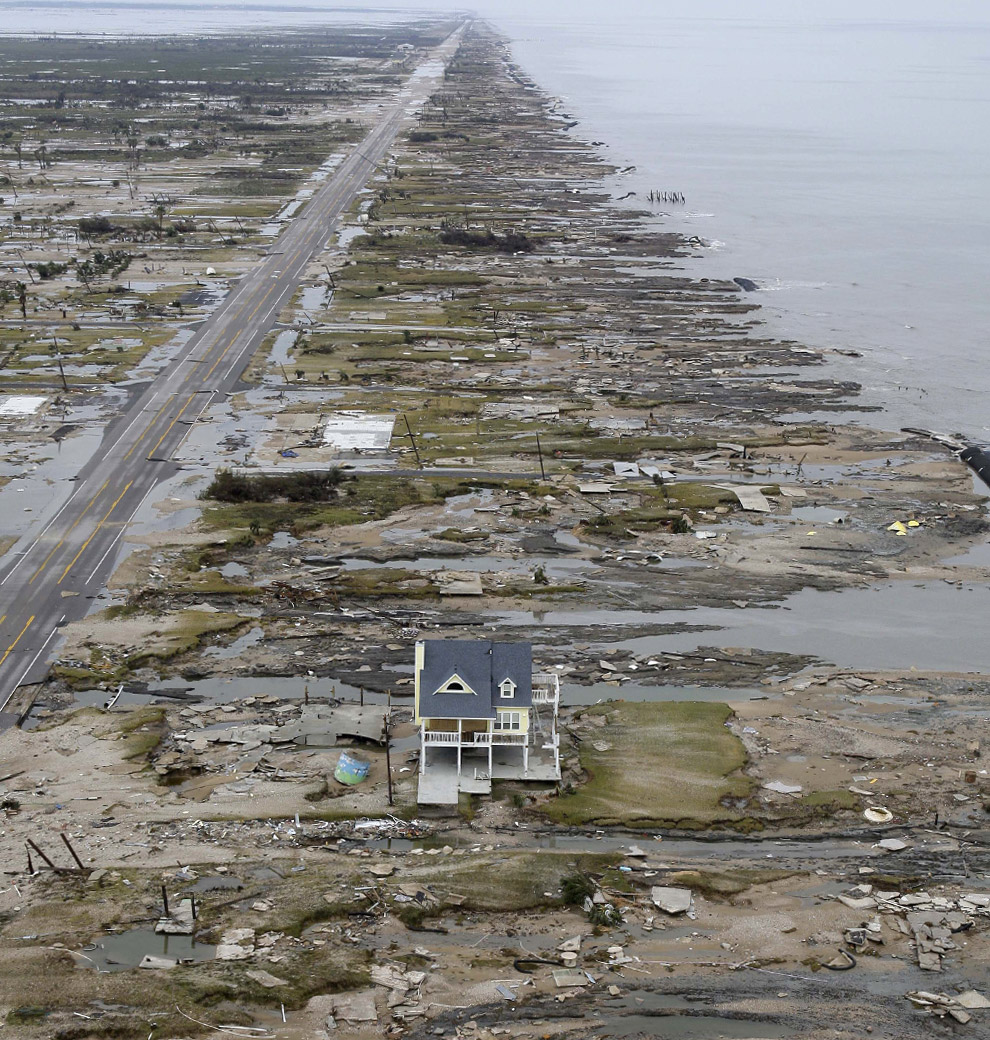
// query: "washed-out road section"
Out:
[51,576]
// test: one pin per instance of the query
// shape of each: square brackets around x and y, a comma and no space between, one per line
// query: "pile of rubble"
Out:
[929,921]
[942,1005]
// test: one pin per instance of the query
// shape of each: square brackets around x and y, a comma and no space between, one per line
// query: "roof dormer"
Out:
[455,684]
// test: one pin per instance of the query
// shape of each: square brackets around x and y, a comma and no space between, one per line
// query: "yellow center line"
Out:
[147,429]
[17,640]
[85,544]
[190,372]
[3,619]
[168,429]
[61,540]
[234,340]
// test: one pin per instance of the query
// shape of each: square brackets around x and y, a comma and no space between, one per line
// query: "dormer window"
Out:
[507,689]
[455,684]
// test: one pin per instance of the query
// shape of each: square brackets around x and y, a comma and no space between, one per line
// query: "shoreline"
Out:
[494,396]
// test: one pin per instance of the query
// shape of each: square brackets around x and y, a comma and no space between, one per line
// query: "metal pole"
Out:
[68,845]
[41,854]
[165,900]
[58,358]
[539,448]
[412,439]
[388,757]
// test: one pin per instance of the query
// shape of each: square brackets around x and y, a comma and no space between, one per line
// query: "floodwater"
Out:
[38,487]
[930,626]
[668,1024]
[555,566]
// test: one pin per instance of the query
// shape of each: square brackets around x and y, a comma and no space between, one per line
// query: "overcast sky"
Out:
[975,12]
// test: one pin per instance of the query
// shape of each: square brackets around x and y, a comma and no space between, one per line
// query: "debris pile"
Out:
[928,921]
[942,1005]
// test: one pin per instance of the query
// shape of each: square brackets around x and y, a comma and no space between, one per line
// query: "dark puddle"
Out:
[127,950]
[697,1027]
[978,556]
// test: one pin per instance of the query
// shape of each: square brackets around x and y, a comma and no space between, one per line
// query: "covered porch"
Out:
[470,737]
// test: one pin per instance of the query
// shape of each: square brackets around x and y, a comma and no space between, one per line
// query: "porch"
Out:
[442,783]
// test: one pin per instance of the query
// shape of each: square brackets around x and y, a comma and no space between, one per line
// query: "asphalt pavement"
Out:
[52,575]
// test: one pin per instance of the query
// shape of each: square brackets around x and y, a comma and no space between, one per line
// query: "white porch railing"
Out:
[440,737]
[546,688]
[504,738]
[482,739]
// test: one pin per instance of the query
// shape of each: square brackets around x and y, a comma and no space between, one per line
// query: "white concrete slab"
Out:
[437,787]
[15,405]
[358,431]
[461,583]
[751,498]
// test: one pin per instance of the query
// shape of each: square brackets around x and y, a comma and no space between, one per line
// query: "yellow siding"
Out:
[523,720]
[420,654]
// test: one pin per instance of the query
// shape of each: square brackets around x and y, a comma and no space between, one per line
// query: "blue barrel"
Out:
[351,769]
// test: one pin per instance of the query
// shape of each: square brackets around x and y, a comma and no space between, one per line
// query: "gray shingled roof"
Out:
[483,666]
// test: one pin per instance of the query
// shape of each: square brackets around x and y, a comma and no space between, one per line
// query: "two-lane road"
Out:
[50,577]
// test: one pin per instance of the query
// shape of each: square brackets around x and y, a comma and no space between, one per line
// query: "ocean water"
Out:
[838,154]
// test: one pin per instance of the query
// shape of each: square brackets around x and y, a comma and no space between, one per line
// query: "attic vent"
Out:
[455,684]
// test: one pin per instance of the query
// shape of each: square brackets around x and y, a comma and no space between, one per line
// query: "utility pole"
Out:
[539,448]
[412,440]
[388,750]
[58,358]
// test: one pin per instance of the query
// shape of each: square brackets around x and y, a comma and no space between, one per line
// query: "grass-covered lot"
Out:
[667,764]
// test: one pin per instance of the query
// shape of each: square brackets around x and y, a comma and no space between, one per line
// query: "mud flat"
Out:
[496,407]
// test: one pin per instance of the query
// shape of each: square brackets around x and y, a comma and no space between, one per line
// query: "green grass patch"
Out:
[669,764]
[829,802]
[506,881]
[452,534]
[723,884]
[366,496]
[382,583]
[142,731]
[185,633]
[627,523]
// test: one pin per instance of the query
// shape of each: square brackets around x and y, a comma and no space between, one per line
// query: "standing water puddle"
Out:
[284,342]
[978,556]
[127,950]
[238,647]
[676,1019]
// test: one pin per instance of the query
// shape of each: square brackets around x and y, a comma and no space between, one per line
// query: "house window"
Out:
[508,720]
[507,689]
[455,684]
